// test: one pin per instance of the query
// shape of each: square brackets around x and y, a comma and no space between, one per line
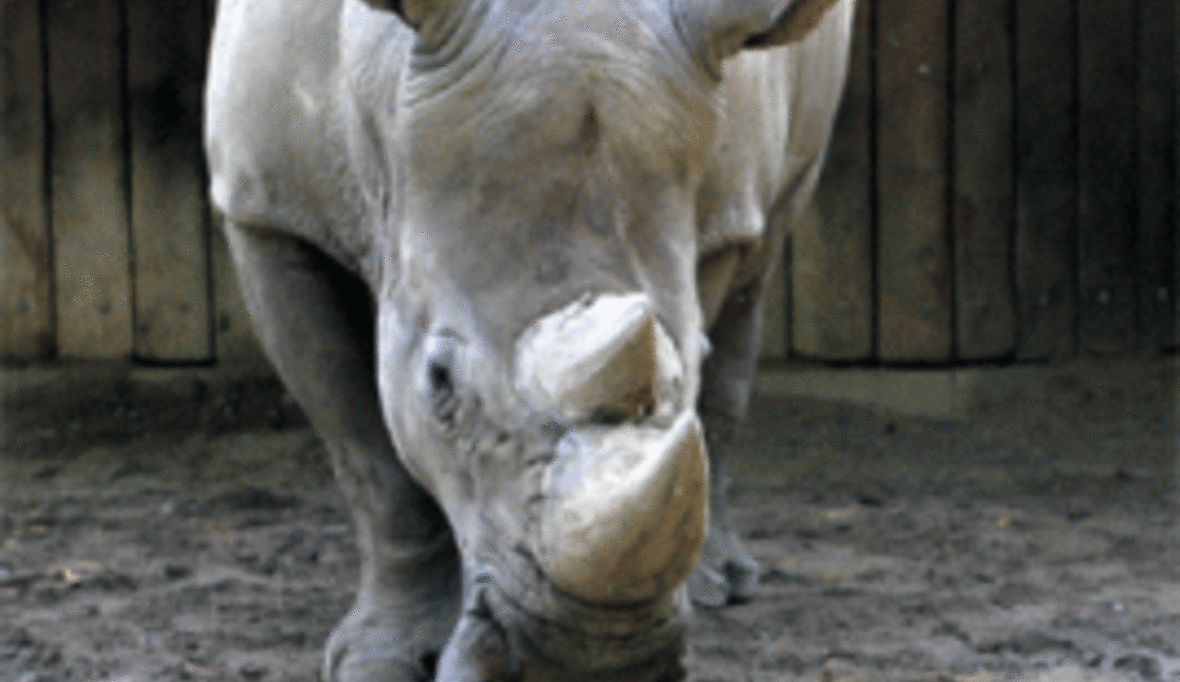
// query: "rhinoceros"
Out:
[509,256]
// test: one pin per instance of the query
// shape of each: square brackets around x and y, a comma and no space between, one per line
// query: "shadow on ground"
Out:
[1037,541]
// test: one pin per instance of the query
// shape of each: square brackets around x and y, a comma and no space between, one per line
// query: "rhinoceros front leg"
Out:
[316,326]
[727,572]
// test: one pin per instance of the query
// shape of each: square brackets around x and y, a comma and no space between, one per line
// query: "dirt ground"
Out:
[1040,541]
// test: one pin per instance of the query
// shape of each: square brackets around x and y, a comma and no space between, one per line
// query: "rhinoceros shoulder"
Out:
[274,130]
[778,108]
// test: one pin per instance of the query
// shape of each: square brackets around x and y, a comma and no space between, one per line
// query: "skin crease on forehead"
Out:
[525,150]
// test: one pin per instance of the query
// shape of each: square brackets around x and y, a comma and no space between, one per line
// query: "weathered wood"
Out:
[89,211]
[1046,178]
[832,258]
[982,211]
[26,274]
[1154,241]
[166,47]
[913,259]
[1128,137]
[1107,172]
[1176,199]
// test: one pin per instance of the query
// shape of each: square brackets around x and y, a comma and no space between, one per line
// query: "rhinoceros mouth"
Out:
[548,629]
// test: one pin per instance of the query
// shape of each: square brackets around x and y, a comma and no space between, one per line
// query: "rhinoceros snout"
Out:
[624,502]
[605,360]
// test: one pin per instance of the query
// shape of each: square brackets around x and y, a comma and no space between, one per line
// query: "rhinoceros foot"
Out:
[726,573]
[372,644]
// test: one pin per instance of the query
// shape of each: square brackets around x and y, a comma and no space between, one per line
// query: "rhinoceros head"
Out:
[536,171]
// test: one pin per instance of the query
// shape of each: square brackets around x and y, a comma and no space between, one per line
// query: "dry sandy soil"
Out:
[1040,541]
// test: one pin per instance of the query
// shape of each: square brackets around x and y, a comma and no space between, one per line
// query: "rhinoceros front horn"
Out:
[608,359]
[624,510]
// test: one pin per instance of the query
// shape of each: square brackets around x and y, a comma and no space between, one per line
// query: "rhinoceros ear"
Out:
[413,12]
[793,21]
[732,26]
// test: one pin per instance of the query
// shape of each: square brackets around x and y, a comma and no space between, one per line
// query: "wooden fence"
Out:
[107,246]
[1002,185]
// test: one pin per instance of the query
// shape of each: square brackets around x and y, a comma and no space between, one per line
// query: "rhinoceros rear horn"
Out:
[605,360]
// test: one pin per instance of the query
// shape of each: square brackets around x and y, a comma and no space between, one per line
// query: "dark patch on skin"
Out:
[590,131]
[679,169]
[553,270]
[489,647]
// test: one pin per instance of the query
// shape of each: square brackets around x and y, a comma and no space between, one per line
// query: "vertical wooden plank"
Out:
[832,264]
[1176,204]
[1107,172]
[26,305]
[1046,178]
[88,211]
[913,257]
[166,45]
[1154,241]
[983,204]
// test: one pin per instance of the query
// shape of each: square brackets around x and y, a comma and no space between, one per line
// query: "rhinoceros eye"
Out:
[440,379]
[441,388]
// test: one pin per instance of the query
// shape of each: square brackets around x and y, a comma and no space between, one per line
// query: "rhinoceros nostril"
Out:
[440,379]
[429,661]
[589,132]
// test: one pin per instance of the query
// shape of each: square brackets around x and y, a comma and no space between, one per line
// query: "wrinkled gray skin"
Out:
[409,187]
